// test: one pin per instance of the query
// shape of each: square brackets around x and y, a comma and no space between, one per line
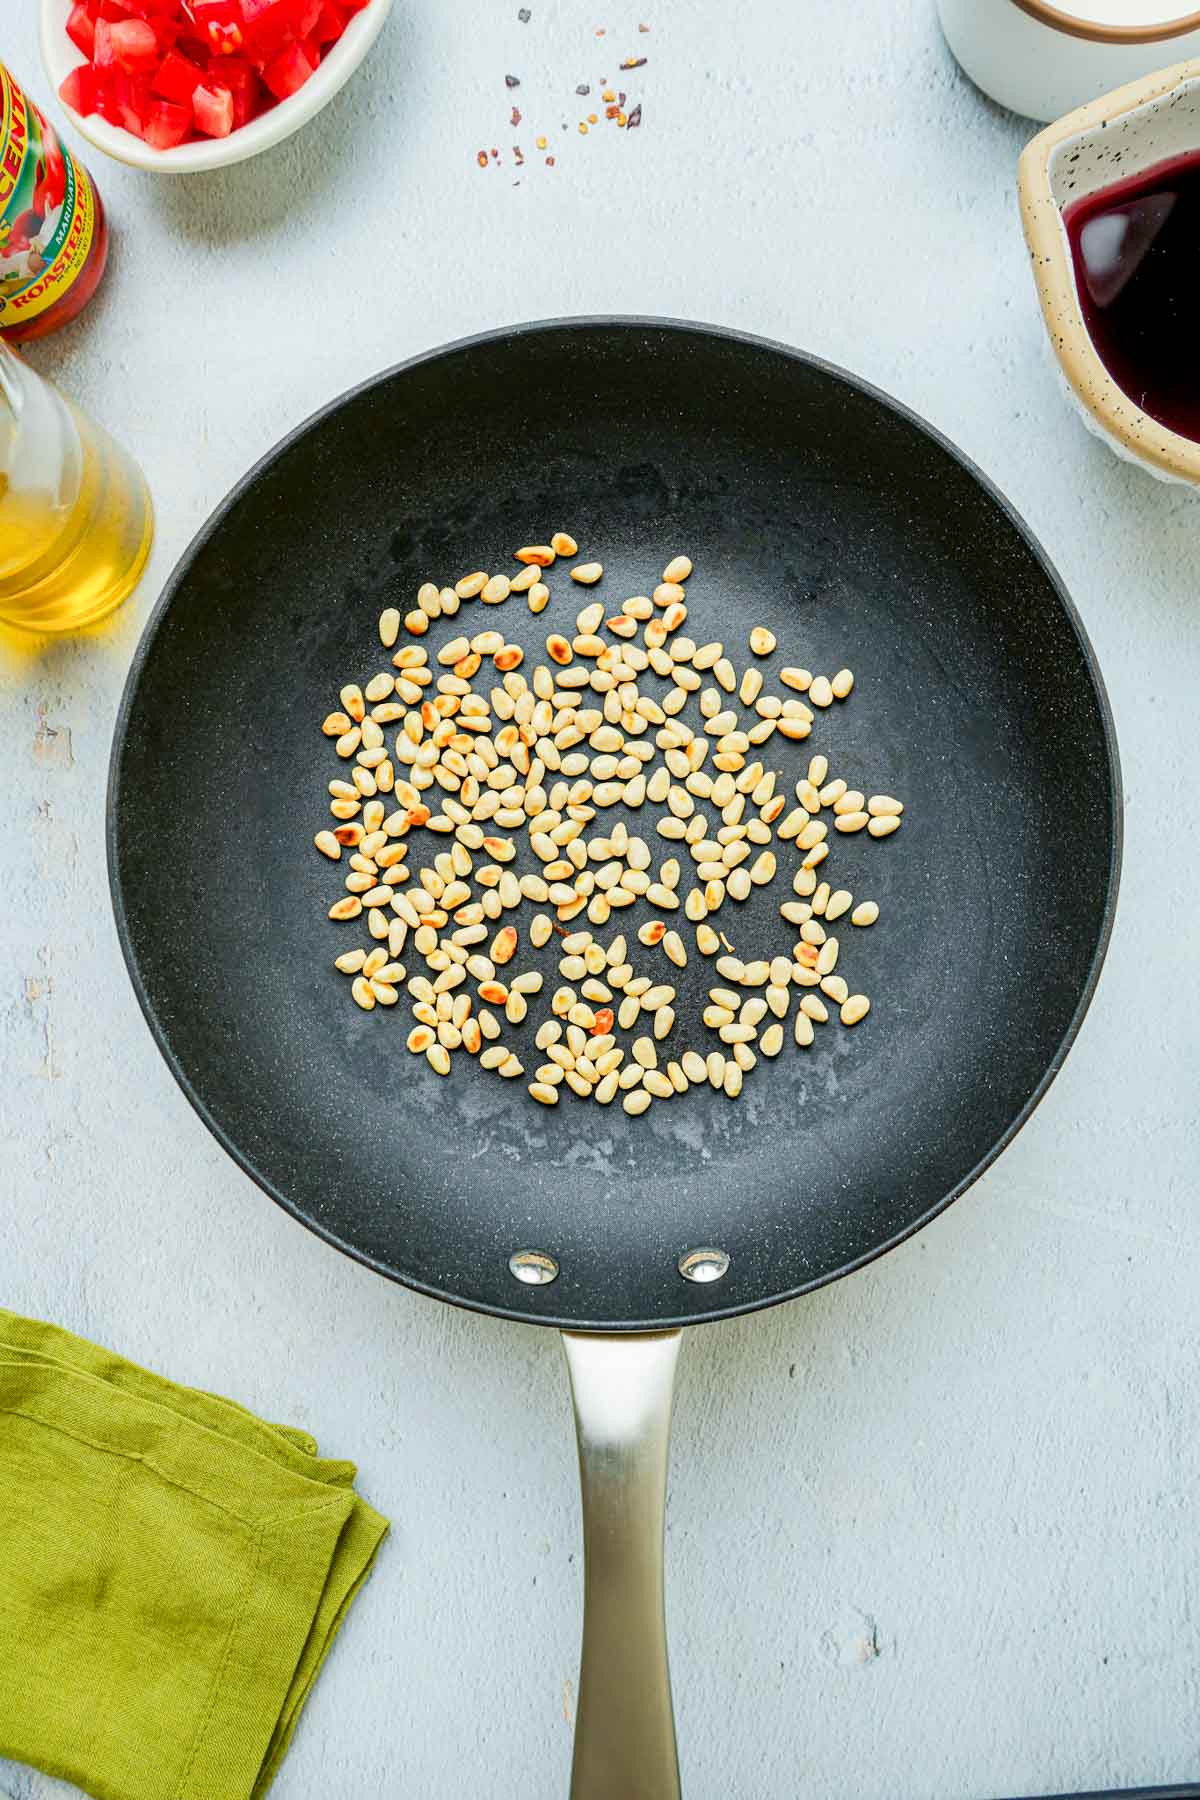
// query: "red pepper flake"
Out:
[481,158]
[612,112]
[495,154]
[516,116]
[643,28]
[518,155]
[634,62]
[635,118]
[600,31]
[549,162]
[511,81]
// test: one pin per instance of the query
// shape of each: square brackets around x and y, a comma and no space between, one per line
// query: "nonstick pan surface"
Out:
[810,503]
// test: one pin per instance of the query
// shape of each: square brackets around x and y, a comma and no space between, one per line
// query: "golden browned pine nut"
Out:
[587,573]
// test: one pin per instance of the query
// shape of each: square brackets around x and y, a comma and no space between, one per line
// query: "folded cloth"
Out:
[173,1571]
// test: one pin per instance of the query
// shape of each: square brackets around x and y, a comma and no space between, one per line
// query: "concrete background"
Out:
[932,1531]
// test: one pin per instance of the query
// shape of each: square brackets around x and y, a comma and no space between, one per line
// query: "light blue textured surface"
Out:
[932,1532]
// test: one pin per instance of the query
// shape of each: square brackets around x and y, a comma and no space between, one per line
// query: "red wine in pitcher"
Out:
[1136,249]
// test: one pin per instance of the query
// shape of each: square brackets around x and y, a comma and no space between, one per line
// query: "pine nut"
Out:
[842,683]
[854,821]
[855,1008]
[587,573]
[563,544]
[762,641]
[678,569]
[813,1007]
[884,827]
[834,988]
[865,914]
[803,1029]
[544,1093]
[800,679]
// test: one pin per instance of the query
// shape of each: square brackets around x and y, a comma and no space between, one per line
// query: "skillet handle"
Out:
[1189,1792]
[622,1387]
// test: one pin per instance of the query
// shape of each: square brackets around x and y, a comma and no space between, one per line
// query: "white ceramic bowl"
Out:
[1043,57]
[60,56]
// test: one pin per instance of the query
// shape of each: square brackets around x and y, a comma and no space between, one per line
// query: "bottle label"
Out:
[47,210]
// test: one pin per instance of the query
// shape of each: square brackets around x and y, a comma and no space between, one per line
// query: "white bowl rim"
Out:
[59,57]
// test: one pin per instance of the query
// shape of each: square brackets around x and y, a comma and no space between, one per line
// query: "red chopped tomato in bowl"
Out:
[178,71]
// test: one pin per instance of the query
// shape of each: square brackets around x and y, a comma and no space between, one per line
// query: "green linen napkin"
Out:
[173,1571]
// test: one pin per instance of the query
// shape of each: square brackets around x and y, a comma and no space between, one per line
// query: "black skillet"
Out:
[811,504]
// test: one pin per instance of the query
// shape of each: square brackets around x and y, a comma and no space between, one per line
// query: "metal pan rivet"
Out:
[703,1265]
[533,1267]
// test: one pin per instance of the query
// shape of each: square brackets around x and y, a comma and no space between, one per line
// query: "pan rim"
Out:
[584,322]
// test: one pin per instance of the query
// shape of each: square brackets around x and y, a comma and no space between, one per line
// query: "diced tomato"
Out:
[78,91]
[330,25]
[267,25]
[104,53]
[236,74]
[81,28]
[169,70]
[132,96]
[167,124]
[305,14]
[286,73]
[134,45]
[212,109]
[176,78]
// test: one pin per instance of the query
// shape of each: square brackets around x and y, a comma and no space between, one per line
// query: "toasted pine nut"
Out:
[678,569]
[587,573]
[328,845]
[540,555]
